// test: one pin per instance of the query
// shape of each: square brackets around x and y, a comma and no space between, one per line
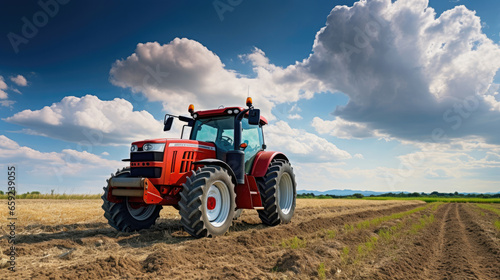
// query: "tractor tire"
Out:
[278,193]
[207,202]
[125,216]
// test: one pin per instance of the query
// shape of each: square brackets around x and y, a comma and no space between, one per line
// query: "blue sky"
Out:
[376,95]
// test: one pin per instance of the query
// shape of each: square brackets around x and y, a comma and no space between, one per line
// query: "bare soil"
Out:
[459,245]
[71,240]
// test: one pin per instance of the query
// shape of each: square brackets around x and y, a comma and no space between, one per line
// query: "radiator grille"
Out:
[187,162]
[148,172]
[174,157]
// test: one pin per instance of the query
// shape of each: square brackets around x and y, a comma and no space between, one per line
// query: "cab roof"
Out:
[224,112]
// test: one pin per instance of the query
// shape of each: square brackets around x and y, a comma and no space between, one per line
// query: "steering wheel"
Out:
[226,140]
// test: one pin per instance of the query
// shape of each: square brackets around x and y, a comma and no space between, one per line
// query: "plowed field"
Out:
[327,239]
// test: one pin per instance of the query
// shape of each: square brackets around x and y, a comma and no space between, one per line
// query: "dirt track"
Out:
[459,242]
[459,245]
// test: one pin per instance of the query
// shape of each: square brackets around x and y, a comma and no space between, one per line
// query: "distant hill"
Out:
[342,192]
[347,192]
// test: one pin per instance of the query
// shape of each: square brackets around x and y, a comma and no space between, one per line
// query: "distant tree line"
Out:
[402,194]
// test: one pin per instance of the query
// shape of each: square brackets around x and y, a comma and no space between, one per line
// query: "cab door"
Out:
[251,135]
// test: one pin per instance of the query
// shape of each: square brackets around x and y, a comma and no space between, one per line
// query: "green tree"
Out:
[358,195]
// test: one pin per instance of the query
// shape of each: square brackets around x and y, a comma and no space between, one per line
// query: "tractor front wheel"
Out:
[207,202]
[278,193]
[129,216]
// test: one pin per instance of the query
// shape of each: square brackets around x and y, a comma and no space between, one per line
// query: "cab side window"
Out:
[252,136]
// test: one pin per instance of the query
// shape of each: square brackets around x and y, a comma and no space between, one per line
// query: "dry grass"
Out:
[60,234]
[51,212]
[68,212]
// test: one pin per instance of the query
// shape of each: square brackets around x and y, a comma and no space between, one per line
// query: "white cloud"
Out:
[293,112]
[7,143]
[344,129]
[359,156]
[301,145]
[447,171]
[68,169]
[466,163]
[180,73]
[7,103]
[405,70]
[3,87]
[90,120]
[295,117]
[19,80]
[184,71]
[4,97]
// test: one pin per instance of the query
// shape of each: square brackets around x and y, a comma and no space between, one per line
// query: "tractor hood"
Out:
[162,144]
[166,161]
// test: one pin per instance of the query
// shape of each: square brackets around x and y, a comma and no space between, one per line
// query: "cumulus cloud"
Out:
[3,87]
[184,71]
[180,73]
[359,156]
[462,162]
[70,169]
[90,120]
[4,97]
[407,71]
[455,166]
[301,145]
[295,117]
[19,80]
[341,128]
[12,152]
[294,113]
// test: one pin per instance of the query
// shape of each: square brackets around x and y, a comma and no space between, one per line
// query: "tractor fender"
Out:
[262,161]
[218,162]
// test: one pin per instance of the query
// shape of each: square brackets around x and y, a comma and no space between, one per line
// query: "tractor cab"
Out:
[218,128]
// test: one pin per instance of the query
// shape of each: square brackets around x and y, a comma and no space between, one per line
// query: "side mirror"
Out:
[190,121]
[168,123]
[254,116]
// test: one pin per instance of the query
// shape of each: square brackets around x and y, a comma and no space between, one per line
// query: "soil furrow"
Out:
[454,247]
[457,261]
[452,241]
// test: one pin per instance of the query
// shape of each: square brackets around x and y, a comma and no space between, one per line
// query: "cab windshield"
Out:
[217,130]
[220,130]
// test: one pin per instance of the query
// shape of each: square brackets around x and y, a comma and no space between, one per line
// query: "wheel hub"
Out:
[139,211]
[285,193]
[217,203]
[211,202]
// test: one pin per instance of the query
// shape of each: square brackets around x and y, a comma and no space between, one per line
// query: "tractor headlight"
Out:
[133,148]
[153,147]
[236,111]
[229,111]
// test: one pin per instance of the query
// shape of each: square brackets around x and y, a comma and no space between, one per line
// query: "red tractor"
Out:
[221,169]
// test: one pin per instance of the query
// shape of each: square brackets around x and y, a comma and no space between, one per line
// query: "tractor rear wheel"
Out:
[129,216]
[278,193]
[207,202]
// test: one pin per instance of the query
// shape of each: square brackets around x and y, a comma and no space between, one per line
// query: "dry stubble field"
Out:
[327,239]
